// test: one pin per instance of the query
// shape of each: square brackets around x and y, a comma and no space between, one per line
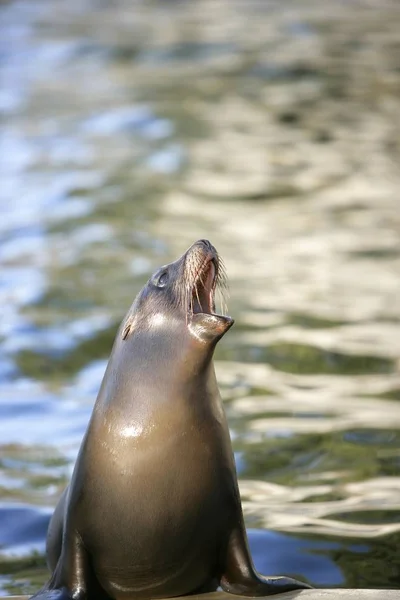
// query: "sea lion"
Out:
[153,508]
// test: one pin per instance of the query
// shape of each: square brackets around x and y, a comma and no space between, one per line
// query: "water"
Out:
[128,131]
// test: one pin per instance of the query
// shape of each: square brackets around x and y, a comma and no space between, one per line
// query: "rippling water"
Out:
[131,129]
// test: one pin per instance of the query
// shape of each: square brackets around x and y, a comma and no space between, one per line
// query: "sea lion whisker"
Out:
[220,301]
[185,298]
[221,275]
[198,299]
[224,306]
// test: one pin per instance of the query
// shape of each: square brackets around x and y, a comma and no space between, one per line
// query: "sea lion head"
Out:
[181,296]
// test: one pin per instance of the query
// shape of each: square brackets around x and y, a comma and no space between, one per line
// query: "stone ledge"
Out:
[322,594]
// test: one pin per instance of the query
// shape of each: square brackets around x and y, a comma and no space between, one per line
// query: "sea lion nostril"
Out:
[206,243]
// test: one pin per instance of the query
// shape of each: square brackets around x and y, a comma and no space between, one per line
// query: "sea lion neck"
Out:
[189,346]
[157,364]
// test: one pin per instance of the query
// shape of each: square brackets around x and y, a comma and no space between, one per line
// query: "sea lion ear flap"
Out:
[131,319]
[127,328]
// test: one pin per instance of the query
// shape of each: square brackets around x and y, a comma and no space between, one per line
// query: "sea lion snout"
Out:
[201,251]
[203,275]
[207,244]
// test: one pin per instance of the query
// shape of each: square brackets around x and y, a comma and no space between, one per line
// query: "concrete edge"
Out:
[316,594]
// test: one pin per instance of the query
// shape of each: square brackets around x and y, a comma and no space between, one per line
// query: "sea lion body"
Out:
[173,447]
[153,508]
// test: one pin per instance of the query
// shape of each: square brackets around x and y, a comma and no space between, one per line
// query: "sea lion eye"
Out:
[162,280]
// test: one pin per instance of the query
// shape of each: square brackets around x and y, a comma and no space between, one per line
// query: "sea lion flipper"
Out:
[70,577]
[54,538]
[240,576]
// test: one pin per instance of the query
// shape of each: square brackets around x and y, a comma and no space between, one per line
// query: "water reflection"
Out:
[130,130]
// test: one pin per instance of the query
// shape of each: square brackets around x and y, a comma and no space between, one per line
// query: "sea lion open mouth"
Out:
[206,274]
[203,292]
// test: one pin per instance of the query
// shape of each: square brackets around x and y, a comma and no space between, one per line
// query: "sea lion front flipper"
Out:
[69,580]
[240,577]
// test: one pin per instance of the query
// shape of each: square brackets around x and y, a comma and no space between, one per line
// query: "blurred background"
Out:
[129,129]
